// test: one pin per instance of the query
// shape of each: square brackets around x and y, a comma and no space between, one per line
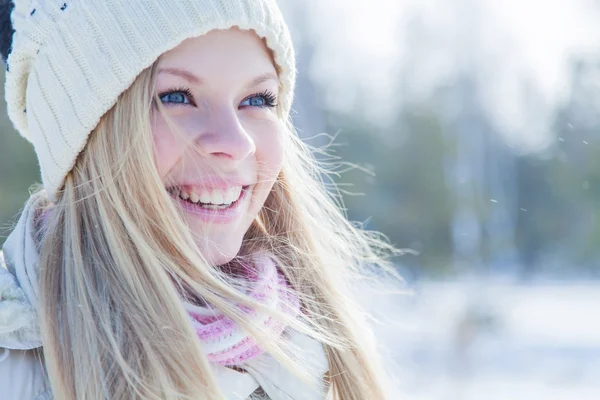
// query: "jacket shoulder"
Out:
[18,320]
[22,375]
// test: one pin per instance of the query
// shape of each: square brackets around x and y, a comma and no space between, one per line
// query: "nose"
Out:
[226,138]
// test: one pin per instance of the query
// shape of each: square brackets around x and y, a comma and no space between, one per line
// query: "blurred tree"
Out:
[18,169]
[405,197]
[559,190]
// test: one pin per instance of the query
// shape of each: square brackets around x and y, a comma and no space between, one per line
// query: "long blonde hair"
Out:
[115,256]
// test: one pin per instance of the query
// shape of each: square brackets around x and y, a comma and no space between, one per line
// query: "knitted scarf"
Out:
[224,342]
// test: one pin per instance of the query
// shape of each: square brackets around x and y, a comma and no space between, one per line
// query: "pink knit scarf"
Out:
[224,342]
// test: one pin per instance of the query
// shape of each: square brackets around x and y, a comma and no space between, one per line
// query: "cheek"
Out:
[166,146]
[269,153]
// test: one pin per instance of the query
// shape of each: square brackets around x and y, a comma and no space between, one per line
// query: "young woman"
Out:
[184,245]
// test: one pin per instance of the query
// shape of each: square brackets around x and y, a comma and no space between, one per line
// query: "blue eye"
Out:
[260,100]
[183,96]
[177,96]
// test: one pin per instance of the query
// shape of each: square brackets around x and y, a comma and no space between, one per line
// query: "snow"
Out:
[485,340]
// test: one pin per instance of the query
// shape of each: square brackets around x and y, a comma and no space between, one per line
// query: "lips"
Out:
[212,212]
[209,197]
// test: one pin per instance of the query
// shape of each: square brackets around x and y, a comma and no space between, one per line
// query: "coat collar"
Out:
[19,328]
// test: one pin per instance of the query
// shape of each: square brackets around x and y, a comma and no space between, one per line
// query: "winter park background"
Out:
[476,128]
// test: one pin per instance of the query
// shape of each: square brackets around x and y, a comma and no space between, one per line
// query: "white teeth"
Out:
[233,193]
[227,196]
[205,197]
[216,197]
[237,191]
[211,198]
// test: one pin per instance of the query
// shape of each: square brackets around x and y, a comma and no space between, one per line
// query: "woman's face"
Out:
[219,90]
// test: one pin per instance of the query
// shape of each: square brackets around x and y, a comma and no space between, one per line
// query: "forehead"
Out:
[219,48]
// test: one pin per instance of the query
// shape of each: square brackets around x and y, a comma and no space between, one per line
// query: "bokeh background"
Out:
[474,130]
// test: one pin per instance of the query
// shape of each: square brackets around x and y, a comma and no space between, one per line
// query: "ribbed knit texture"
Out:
[71,60]
[224,342]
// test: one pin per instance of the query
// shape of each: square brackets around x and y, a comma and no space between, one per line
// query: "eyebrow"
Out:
[269,76]
[188,76]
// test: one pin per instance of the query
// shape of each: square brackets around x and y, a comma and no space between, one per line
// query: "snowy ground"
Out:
[494,341]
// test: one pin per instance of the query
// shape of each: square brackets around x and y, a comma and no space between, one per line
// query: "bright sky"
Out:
[363,45]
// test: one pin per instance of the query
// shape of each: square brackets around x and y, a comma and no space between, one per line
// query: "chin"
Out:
[219,251]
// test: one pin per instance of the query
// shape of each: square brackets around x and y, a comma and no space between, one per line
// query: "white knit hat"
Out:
[71,59]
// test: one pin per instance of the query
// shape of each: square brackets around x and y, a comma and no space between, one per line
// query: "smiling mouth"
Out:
[209,198]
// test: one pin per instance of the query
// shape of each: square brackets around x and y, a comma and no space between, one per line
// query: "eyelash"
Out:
[270,97]
[174,90]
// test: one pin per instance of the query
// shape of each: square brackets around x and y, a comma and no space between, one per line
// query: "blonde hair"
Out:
[115,258]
